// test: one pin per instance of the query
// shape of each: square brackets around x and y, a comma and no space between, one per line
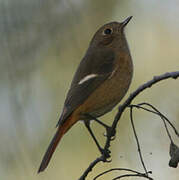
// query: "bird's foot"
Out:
[106,153]
[110,132]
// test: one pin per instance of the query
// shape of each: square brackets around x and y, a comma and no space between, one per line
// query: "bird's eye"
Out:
[107,31]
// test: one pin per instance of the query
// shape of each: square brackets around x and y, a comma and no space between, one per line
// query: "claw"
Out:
[108,161]
[113,138]
[106,153]
[109,131]
[106,134]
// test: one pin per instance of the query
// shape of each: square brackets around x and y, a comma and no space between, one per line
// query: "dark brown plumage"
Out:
[100,82]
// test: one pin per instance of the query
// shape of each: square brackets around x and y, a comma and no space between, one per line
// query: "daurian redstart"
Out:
[100,82]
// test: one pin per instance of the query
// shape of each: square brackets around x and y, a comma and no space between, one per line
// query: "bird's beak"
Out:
[125,22]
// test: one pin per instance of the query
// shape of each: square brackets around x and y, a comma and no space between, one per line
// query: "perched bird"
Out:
[100,82]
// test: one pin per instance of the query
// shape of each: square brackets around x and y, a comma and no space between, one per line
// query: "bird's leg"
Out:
[97,120]
[87,124]
[108,128]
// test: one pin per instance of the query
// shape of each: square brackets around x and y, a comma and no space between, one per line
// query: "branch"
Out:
[135,173]
[174,149]
[157,112]
[121,109]
[138,145]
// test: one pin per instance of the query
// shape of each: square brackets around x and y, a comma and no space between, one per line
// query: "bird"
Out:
[102,79]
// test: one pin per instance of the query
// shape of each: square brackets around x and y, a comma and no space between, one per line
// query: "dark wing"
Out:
[101,63]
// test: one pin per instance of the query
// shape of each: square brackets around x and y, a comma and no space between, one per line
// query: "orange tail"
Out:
[56,139]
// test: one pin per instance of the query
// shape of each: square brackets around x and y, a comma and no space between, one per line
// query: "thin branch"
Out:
[91,166]
[132,175]
[137,140]
[121,109]
[161,116]
[119,169]
[167,130]
[174,150]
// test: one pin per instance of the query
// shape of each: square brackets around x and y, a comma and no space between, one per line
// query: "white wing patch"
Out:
[86,78]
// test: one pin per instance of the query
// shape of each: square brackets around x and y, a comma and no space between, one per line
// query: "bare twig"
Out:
[164,119]
[121,109]
[162,116]
[132,175]
[174,150]
[138,145]
[99,159]
[122,169]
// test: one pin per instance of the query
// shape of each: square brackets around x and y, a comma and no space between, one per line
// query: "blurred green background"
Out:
[41,45]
